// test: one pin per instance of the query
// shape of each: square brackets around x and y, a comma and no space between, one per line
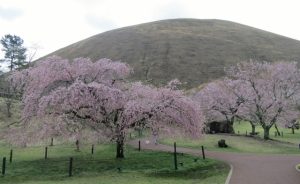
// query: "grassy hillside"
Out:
[195,51]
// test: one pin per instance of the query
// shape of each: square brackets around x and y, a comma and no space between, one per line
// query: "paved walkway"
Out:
[247,168]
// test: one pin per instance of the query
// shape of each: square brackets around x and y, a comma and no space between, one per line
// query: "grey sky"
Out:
[8,13]
[53,24]
[100,23]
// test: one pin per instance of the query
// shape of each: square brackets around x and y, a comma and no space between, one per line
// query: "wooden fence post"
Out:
[3,166]
[139,145]
[203,153]
[70,166]
[10,156]
[51,144]
[175,156]
[46,152]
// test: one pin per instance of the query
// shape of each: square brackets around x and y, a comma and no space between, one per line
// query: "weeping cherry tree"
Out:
[67,97]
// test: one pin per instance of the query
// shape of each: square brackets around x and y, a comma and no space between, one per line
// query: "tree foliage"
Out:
[273,91]
[221,100]
[15,52]
[259,92]
[95,95]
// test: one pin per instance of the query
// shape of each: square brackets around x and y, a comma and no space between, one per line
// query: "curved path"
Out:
[247,168]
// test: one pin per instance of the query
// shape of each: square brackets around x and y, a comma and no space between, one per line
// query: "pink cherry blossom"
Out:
[63,98]
[272,92]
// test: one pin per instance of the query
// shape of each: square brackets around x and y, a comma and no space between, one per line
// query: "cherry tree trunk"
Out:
[252,129]
[230,129]
[266,133]
[77,145]
[277,130]
[120,147]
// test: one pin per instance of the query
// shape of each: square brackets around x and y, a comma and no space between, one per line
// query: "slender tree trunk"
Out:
[8,101]
[11,67]
[120,146]
[8,107]
[77,145]
[253,129]
[266,133]
[277,130]
[293,130]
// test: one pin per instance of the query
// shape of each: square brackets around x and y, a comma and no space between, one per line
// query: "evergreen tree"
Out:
[14,57]
[15,52]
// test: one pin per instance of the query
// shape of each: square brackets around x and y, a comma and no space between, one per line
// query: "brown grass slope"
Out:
[192,50]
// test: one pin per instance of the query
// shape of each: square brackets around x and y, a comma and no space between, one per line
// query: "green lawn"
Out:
[242,127]
[29,166]
[241,143]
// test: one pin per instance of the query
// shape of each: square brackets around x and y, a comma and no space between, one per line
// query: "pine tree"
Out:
[15,52]
[15,57]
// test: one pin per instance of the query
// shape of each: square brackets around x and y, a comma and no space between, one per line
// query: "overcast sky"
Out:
[53,24]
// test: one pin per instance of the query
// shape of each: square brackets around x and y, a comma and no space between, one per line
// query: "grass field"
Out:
[242,127]
[30,167]
[241,143]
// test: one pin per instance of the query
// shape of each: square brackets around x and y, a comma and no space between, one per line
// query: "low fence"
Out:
[74,163]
